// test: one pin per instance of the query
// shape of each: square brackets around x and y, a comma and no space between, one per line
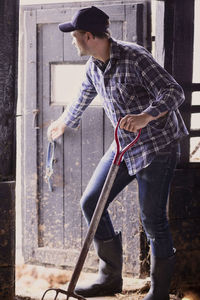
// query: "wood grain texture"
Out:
[8,82]
[9,12]
[7,240]
[54,220]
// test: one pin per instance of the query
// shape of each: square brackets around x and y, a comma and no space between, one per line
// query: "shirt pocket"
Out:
[125,95]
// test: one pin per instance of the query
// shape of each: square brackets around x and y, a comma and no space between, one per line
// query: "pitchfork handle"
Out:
[99,208]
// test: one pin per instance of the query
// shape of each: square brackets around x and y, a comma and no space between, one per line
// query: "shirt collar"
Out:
[114,52]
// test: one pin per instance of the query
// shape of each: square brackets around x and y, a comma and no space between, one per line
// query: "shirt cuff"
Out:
[152,111]
[71,123]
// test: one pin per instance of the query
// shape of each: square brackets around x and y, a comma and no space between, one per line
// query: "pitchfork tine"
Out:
[68,294]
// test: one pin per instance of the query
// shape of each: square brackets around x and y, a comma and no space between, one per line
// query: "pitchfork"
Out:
[95,219]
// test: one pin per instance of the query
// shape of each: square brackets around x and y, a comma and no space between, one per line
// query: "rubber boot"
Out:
[109,279]
[161,273]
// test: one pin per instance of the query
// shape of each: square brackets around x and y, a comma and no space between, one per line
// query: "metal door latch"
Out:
[35,113]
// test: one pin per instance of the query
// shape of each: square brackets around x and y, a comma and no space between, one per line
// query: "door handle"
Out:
[35,113]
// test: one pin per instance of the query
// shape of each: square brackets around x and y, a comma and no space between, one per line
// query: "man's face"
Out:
[79,41]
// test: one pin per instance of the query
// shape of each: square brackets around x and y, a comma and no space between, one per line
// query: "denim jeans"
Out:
[153,185]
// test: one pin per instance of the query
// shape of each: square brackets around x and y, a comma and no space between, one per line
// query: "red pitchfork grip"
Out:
[119,154]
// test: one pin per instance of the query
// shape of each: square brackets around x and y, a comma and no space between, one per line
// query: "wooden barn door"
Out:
[54,228]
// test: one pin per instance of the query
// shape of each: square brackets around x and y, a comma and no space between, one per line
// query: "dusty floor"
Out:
[32,281]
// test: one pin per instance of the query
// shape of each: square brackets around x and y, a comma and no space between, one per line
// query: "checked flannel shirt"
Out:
[132,82]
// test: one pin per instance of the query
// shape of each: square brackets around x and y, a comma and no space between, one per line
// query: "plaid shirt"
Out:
[132,82]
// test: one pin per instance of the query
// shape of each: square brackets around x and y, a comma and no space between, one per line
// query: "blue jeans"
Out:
[153,185]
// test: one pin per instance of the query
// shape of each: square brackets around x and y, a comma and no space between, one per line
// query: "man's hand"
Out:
[56,129]
[135,122]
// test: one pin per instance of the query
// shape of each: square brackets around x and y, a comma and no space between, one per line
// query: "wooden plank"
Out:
[177,51]
[183,56]
[64,14]
[184,235]
[183,41]
[186,275]
[8,84]
[92,142]
[140,25]
[115,12]
[9,17]
[64,258]
[77,4]
[51,203]
[159,42]
[72,192]
[57,15]
[116,29]
[195,109]
[184,202]
[166,14]
[131,229]
[130,33]
[7,240]
[135,28]
[29,209]
[92,145]
[147,19]
[195,87]
[184,195]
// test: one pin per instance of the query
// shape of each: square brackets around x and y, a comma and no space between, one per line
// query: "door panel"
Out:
[72,189]
[59,227]
[51,204]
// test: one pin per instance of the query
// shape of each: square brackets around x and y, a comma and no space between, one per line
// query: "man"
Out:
[135,88]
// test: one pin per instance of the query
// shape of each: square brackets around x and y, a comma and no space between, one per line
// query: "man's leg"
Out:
[154,185]
[92,192]
[107,243]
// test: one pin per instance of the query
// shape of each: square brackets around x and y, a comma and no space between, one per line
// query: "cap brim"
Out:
[66,27]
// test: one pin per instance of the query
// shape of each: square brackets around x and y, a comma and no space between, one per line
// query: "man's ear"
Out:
[89,36]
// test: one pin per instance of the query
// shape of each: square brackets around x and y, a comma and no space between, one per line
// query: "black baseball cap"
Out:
[90,19]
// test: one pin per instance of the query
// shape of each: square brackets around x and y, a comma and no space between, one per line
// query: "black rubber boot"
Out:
[109,280]
[161,273]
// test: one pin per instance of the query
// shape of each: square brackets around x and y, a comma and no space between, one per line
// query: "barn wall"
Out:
[8,95]
[184,207]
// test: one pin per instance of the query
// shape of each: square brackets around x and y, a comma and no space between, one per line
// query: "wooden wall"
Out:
[184,207]
[8,95]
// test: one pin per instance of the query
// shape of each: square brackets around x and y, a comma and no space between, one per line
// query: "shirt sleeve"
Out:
[85,96]
[167,93]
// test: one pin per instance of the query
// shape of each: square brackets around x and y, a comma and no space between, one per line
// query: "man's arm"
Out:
[72,115]
[167,93]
